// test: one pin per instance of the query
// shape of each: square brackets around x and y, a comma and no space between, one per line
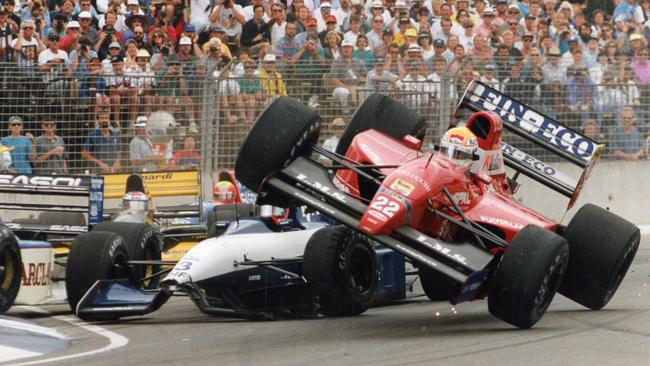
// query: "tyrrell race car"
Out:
[460,225]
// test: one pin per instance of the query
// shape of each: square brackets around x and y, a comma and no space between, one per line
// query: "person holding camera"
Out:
[163,20]
[310,62]
[230,16]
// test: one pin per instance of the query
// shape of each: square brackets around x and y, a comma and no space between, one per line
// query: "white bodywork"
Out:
[36,284]
[217,256]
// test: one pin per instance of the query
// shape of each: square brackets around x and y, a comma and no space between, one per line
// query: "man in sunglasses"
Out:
[85,22]
[49,149]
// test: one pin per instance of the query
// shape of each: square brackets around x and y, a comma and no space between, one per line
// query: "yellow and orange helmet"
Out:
[459,145]
[224,192]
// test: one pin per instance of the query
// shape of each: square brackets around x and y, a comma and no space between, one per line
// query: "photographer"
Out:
[107,36]
[162,19]
[230,16]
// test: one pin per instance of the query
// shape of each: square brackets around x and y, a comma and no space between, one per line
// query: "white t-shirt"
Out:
[277,32]
[55,71]
[228,21]
[199,12]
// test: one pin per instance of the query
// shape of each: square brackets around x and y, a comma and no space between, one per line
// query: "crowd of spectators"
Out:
[585,63]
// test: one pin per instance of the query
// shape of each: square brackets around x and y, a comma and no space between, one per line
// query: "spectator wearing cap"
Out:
[132,8]
[85,6]
[230,15]
[376,8]
[553,70]
[635,42]
[272,82]
[486,27]
[376,32]
[22,154]
[321,14]
[256,34]
[439,49]
[144,77]
[346,73]
[530,23]
[380,79]
[414,84]
[50,156]
[330,143]
[386,40]
[410,38]
[86,28]
[501,12]
[330,26]
[488,77]
[568,58]
[53,64]
[331,47]
[311,29]
[163,18]
[114,50]
[527,44]
[399,36]
[142,154]
[102,146]
[72,35]
[107,37]
[132,22]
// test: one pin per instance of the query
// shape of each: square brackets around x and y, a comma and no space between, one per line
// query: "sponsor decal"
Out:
[435,245]
[36,274]
[499,221]
[68,228]
[158,176]
[462,198]
[537,164]
[523,118]
[40,181]
[370,153]
[378,215]
[385,205]
[416,178]
[323,188]
[402,186]
[255,277]
[340,185]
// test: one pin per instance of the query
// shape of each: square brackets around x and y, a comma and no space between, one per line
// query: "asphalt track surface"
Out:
[415,332]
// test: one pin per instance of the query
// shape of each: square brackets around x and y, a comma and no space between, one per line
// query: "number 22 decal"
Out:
[385,206]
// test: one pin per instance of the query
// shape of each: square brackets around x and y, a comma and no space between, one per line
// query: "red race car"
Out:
[450,211]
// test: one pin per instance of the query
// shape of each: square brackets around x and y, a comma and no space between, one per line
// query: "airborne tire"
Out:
[528,276]
[285,130]
[227,213]
[10,268]
[96,255]
[602,246]
[382,113]
[342,267]
[142,244]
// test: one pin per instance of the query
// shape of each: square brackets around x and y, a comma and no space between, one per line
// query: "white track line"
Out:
[116,341]
[12,353]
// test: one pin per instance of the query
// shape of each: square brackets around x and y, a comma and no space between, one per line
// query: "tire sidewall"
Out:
[9,245]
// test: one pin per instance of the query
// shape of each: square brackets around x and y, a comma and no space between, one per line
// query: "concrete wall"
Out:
[622,187]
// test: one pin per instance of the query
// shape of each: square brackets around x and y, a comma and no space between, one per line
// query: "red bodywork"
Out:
[409,191]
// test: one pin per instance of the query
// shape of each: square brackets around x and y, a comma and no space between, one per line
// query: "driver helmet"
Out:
[224,192]
[135,201]
[459,145]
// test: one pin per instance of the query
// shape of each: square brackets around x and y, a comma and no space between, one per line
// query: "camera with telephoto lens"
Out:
[165,51]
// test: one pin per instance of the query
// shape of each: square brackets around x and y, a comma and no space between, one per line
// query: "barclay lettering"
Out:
[36,274]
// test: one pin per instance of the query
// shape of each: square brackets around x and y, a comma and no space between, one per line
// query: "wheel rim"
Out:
[149,268]
[622,270]
[550,285]
[360,275]
[7,269]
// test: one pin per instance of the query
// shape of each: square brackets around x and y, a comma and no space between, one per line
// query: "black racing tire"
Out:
[228,212]
[142,244]
[528,276]
[10,268]
[603,246]
[97,255]
[341,265]
[382,113]
[436,286]
[62,218]
[285,130]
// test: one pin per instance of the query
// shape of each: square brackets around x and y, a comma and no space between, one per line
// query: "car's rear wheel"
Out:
[528,276]
[97,255]
[142,244]
[285,130]
[10,268]
[382,113]
[602,246]
[341,265]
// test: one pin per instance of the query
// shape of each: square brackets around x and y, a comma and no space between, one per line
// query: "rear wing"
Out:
[182,183]
[54,195]
[541,130]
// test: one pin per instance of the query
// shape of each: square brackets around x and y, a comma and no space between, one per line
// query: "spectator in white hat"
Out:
[142,153]
[85,19]
[72,35]
[345,74]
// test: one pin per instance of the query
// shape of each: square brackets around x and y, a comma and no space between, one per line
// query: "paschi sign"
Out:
[524,118]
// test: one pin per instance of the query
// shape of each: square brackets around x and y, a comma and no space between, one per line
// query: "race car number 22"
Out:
[385,206]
